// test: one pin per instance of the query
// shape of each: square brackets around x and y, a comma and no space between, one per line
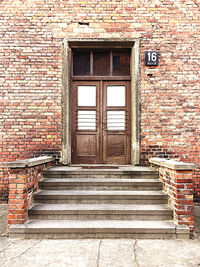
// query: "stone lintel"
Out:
[172,164]
[27,162]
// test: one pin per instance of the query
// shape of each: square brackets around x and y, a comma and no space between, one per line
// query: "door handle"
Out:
[104,124]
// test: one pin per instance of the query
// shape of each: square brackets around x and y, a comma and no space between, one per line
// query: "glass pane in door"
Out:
[116,96]
[86,96]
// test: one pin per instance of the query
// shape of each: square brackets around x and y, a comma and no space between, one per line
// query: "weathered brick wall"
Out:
[179,187]
[177,179]
[20,178]
[23,182]
[31,35]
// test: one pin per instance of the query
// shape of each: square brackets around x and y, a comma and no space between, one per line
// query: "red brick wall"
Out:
[31,36]
[178,185]
[23,182]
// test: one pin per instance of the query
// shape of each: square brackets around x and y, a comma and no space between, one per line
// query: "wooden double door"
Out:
[101,122]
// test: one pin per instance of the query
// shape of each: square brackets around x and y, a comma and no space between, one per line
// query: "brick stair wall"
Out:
[19,180]
[177,178]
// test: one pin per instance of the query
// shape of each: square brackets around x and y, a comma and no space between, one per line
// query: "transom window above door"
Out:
[101,62]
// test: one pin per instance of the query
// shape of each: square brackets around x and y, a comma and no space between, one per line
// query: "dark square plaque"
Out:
[151,58]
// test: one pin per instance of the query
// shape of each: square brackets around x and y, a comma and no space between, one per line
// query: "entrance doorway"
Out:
[101,112]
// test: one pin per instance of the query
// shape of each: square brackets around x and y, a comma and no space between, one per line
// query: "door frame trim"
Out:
[67,45]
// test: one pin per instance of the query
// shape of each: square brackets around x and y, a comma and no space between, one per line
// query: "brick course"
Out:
[31,36]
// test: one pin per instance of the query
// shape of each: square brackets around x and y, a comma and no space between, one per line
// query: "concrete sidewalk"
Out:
[99,253]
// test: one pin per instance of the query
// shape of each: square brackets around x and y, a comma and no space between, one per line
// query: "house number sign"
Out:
[151,58]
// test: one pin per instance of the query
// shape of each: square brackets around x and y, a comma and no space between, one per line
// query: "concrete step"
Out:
[100,212]
[99,229]
[100,184]
[121,172]
[86,196]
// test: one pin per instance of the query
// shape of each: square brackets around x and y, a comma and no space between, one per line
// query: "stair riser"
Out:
[100,187]
[99,235]
[101,175]
[100,217]
[101,201]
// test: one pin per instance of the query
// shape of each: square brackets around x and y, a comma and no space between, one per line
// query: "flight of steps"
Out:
[74,202]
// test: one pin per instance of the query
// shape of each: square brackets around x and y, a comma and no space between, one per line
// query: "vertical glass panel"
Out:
[116,96]
[101,63]
[121,62]
[86,120]
[81,63]
[86,96]
[116,120]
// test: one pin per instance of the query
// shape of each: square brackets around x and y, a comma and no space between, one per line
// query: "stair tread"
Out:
[99,180]
[101,207]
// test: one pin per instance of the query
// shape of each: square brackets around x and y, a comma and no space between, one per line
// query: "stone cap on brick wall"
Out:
[27,162]
[172,164]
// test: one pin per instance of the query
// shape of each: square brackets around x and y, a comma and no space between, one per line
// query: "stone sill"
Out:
[27,162]
[172,164]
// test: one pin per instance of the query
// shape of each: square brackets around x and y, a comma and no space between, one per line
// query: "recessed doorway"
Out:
[100,60]
[101,106]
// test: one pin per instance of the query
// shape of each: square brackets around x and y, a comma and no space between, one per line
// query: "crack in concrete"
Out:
[12,242]
[4,250]
[24,252]
[98,258]
[135,253]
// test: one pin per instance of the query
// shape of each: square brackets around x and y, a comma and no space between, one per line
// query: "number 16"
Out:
[152,56]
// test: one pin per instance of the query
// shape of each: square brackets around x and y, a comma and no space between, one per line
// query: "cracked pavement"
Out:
[135,252]
[99,253]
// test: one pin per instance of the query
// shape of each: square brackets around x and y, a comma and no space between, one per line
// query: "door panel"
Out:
[115,145]
[101,122]
[86,145]
[116,122]
[85,118]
